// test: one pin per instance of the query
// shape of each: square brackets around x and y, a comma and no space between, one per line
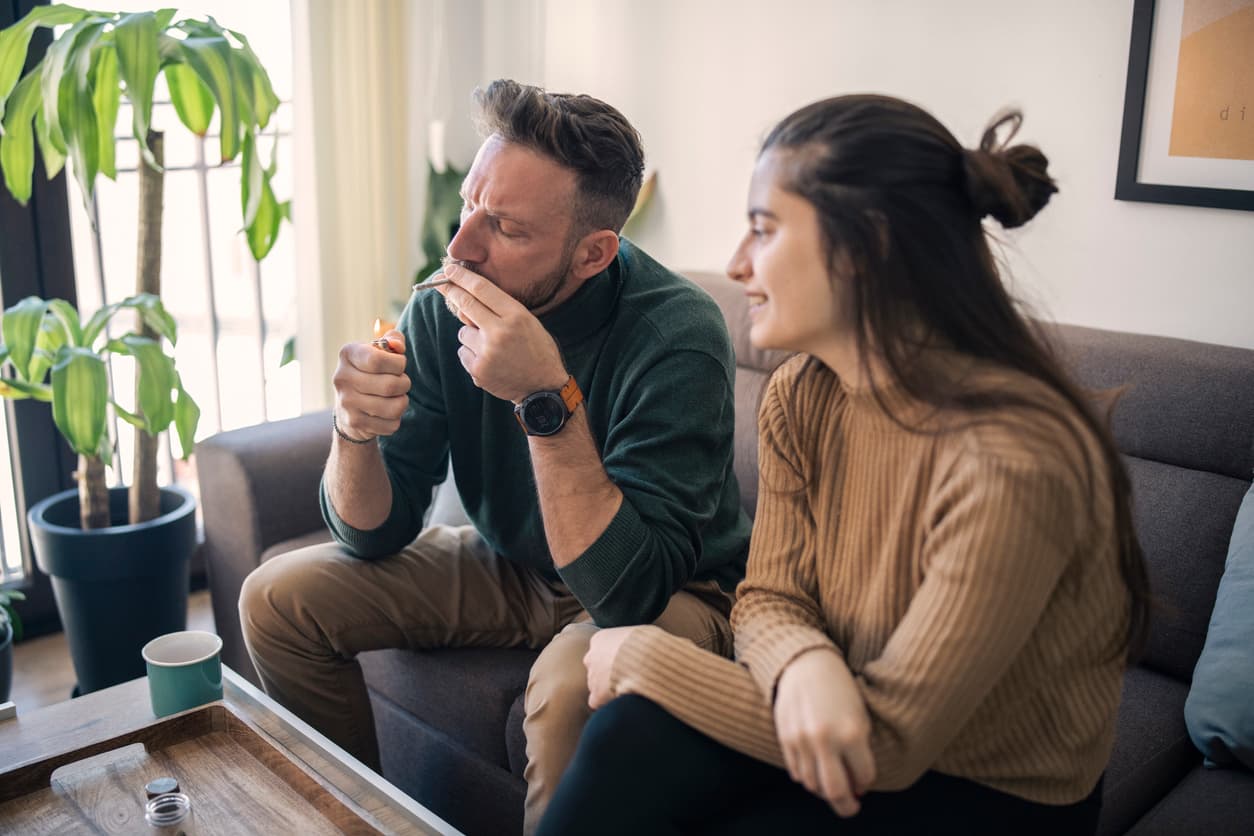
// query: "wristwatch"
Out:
[547,411]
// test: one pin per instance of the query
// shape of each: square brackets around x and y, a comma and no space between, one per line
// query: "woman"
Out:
[943,582]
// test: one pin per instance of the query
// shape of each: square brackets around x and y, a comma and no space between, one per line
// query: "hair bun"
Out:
[1009,182]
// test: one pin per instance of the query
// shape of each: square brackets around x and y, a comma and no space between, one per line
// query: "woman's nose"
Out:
[740,268]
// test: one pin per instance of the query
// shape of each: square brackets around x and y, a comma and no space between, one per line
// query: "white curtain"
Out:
[355,207]
[370,78]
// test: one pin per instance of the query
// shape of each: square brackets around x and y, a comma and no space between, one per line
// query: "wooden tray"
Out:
[237,779]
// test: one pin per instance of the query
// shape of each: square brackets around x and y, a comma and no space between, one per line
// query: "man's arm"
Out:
[370,398]
[388,450]
[625,532]
[577,498]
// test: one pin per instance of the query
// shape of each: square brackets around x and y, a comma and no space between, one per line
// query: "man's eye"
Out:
[757,232]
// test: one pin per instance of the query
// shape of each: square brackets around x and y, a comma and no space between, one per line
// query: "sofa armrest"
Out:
[258,487]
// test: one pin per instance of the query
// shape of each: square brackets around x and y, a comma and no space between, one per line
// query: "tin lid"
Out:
[160,786]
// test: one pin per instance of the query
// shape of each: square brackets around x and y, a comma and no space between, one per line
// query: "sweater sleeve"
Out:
[669,450]
[777,615]
[1001,532]
[714,695]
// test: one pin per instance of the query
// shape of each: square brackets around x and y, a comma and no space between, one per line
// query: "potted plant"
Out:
[67,104]
[10,632]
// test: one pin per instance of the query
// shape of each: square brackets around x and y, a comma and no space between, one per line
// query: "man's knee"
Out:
[558,676]
[273,592]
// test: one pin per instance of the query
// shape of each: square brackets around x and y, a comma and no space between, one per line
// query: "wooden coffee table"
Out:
[248,765]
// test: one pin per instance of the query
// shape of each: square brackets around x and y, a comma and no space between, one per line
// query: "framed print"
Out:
[1188,111]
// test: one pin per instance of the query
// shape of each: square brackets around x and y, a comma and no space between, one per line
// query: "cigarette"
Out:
[430,283]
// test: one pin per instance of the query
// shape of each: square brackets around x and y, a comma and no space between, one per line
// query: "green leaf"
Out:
[53,333]
[54,160]
[18,390]
[186,418]
[138,63]
[15,42]
[76,111]
[106,96]
[136,421]
[165,17]
[67,316]
[289,351]
[252,178]
[20,327]
[154,315]
[264,229]
[192,100]
[17,145]
[80,395]
[264,99]
[97,323]
[156,381]
[210,57]
[55,64]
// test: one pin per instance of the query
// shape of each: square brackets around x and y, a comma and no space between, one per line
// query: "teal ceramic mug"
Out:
[184,670]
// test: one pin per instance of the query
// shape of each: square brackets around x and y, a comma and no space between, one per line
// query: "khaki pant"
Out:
[307,614]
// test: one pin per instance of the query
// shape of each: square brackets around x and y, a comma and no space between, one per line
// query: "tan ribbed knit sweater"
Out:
[968,578]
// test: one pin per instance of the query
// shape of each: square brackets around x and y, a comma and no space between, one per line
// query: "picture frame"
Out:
[1146,172]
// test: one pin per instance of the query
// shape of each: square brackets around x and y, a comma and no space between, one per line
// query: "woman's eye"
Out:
[757,232]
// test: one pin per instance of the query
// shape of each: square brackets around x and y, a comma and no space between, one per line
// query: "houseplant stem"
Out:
[143,496]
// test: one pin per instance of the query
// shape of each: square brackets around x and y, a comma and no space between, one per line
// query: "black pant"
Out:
[638,770]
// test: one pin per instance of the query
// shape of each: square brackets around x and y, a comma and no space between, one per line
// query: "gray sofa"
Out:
[450,722]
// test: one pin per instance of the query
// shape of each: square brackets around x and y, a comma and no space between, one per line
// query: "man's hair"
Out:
[579,132]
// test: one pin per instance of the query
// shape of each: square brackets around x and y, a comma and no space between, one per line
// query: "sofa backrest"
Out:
[1185,424]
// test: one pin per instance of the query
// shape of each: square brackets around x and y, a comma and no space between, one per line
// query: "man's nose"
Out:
[467,244]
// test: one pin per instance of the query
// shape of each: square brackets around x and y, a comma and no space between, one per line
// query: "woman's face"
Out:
[795,303]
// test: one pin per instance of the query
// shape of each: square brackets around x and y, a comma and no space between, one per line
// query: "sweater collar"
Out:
[590,308]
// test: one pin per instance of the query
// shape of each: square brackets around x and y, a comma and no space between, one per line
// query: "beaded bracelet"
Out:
[336,426]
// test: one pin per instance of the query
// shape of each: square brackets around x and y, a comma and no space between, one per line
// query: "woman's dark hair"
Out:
[902,201]
[579,132]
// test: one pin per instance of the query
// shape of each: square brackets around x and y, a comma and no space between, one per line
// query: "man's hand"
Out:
[504,347]
[371,388]
[824,730]
[599,660]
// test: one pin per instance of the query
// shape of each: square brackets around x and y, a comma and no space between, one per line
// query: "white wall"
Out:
[704,79]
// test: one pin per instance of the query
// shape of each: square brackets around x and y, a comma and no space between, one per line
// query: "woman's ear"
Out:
[594,252]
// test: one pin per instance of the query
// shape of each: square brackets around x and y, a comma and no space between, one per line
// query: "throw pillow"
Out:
[1220,709]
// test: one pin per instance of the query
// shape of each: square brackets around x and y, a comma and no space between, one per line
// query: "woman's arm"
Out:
[1003,533]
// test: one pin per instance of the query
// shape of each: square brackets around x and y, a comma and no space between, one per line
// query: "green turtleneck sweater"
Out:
[651,353]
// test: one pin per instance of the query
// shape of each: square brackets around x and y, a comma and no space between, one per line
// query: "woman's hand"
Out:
[824,730]
[599,660]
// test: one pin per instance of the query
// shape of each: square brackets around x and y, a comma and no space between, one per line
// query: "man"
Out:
[585,396]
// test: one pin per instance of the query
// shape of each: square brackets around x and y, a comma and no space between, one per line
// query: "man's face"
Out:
[516,224]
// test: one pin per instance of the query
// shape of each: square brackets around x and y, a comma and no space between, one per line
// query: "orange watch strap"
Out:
[571,394]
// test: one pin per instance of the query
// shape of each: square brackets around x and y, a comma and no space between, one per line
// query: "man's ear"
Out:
[594,252]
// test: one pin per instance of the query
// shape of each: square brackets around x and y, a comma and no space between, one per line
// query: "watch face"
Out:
[545,414]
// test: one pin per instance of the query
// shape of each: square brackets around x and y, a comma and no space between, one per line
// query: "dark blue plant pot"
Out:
[6,661]
[119,587]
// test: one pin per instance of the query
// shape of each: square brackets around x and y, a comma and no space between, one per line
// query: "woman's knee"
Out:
[634,733]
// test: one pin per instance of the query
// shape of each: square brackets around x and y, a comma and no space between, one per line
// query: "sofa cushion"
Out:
[1183,518]
[1152,748]
[1216,802]
[464,693]
[1219,712]
[1186,403]
[474,796]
